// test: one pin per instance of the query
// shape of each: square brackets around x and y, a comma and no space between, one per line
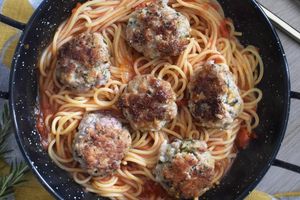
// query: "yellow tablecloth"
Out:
[21,10]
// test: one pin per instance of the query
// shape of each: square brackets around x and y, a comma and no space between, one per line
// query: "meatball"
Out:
[214,100]
[100,144]
[148,103]
[157,30]
[83,63]
[185,168]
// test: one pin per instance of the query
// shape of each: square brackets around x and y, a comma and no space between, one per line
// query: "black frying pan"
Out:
[250,164]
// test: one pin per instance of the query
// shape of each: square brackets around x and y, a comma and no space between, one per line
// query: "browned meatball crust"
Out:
[158,30]
[100,144]
[185,168]
[148,103]
[83,63]
[215,100]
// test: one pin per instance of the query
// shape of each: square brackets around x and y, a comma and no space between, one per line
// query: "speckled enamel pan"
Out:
[250,164]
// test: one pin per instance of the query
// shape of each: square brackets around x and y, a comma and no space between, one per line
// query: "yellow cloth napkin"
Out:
[29,190]
[21,10]
[257,195]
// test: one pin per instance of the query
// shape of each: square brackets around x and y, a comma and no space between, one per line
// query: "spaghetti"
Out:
[213,38]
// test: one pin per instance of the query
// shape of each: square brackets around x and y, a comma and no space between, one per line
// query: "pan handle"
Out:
[11,22]
[283,164]
[4,95]
[19,25]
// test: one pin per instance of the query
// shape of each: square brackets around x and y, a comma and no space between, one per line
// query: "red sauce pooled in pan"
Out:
[150,187]
[45,109]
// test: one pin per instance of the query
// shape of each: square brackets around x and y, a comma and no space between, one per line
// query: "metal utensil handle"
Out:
[283,164]
[19,25]
[295,95]
[282,25]
[286,165]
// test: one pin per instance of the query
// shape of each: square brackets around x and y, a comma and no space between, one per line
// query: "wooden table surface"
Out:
[277,179]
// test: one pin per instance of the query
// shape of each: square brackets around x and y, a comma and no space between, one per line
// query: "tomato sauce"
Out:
[182,102]
[224,29]
[43,131]
[244,137]
[76,7]
[143,5]
[214,6]
[211,5]
[150,187]
[45,110]
[140,6]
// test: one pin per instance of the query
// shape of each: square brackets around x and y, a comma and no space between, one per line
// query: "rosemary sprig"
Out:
[15,177]
[5,125]
[17,169]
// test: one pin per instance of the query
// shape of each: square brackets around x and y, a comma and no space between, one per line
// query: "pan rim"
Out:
[18,137]
[243,194]
[286,103]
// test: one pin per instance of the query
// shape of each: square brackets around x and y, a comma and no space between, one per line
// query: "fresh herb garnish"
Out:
[17,169]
